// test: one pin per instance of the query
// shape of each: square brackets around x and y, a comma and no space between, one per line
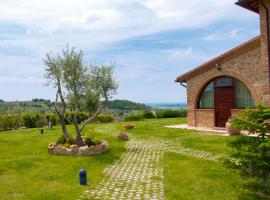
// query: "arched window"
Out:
[207,96]
[242,95]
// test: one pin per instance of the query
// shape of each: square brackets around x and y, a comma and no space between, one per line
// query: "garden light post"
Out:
[83,177]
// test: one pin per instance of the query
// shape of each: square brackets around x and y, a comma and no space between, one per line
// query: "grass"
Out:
[27,171]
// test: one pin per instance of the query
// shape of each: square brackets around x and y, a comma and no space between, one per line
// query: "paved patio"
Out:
[221,131]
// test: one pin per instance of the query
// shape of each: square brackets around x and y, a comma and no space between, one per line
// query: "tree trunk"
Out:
[78,140]
[61,114]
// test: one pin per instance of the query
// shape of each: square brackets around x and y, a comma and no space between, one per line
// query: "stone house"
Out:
[218,89]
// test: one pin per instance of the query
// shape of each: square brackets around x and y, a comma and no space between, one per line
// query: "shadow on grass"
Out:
[253,196]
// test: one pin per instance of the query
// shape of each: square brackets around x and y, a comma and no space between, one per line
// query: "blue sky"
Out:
[151,42]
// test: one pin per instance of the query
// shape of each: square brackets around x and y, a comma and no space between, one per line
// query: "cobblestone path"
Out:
[139,173]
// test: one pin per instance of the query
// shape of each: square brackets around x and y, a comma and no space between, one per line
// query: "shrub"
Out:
[252,157]
[90,141]
[40,122]
[70,141]
[61,140]
[28,120]
[148,115]
[53,118]
[105,118]
[134,117]
[171,113]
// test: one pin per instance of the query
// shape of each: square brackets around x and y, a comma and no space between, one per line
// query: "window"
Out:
[207,97]
[243,97]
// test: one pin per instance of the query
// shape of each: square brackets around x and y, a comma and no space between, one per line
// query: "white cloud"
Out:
[93,25]
[222,35]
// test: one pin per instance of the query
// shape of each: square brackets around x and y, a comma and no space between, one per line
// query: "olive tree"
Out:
[78,87]
[104,81]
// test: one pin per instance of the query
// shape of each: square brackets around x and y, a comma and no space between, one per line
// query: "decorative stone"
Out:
[104,146]
[128,126]
[83,149]
[74,149]
[51,147]
[61,150]
[123,136]
[231,130]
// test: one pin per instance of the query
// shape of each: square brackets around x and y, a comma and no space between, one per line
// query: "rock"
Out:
[104,146]
[128,126]
[83,149]
[51,147]
[123,136]
[61,150]
[74,149]
[231,130]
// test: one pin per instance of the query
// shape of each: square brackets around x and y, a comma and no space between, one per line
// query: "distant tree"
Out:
[104,82]
[2,101]
[78,87]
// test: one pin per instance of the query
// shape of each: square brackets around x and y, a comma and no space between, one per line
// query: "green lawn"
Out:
[27,171]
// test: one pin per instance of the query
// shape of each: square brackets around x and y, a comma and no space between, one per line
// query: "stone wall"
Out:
[245,67]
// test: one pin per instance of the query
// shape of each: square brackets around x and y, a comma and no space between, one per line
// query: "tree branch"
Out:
[91,118]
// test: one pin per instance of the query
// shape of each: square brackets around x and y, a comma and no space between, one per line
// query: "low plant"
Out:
[105,118]
[148,115]
[70,141]
[61,140]
[90,140]
[171,113]
[134,117]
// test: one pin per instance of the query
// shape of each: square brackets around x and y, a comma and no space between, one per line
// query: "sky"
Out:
[151,42]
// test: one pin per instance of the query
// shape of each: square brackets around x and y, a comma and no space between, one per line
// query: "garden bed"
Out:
[101,148]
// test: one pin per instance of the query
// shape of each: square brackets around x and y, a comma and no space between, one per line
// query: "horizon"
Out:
[151,43]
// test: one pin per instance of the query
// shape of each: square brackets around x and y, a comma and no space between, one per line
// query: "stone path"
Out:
[139,173]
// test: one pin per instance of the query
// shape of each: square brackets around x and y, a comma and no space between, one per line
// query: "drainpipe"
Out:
[182,84]
[268,34]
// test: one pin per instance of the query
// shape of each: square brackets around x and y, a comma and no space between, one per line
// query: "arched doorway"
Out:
[223,94]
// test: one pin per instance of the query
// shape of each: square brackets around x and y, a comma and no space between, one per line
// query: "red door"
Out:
[224,102]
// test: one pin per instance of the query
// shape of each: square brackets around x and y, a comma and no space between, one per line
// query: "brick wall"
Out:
[246,67]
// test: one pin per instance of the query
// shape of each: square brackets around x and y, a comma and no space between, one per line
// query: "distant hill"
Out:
[127,105]
[167,105]
[45,106]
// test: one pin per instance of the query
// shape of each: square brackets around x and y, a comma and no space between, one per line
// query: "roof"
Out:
[252,5]
[249,45]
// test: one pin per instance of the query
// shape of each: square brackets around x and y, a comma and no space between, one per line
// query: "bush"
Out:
[171,113]
[90,141]
[53,118]
[105,118]
[40,123]
[148,115]
[69,116]
[29,121]
[252,157]
[61,140]
[70,141]
[134,117]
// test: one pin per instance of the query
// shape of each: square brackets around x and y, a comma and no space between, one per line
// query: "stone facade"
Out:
[248,63]
[246,67]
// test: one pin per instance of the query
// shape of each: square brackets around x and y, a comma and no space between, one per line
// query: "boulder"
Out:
[123,136]
[104,146]
[61,150]
[74,149]
[83,149]
[51,147]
